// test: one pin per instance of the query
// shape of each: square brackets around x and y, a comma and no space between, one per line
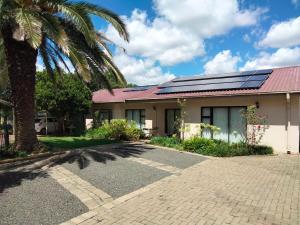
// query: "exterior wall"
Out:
[282,132]
[274,107]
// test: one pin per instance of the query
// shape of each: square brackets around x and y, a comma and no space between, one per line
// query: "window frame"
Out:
[142,124]
[211,118]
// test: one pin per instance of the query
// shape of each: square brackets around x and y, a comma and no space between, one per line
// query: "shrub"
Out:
[116,129]
[260,149]
[197,144]
[171,142]
[212,147]
[223,149]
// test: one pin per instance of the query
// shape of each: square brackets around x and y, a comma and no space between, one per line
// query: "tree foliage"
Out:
[62,34]
[62,30]
[62,98]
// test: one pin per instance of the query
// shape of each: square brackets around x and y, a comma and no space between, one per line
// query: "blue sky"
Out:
[187,37]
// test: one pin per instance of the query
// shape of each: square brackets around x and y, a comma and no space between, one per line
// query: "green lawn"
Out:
[72,142]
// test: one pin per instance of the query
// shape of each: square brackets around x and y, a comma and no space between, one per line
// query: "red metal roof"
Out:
[280,80]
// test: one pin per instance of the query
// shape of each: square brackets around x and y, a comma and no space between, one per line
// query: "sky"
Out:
[175,38]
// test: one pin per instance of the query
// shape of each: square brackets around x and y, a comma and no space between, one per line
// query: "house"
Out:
[214,99]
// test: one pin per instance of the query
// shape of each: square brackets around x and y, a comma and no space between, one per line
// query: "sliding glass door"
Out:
[136,115]
[172,120]
[230,121]
[220,120]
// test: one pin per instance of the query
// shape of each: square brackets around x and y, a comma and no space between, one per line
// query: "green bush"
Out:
[212,147]
[223,149]
[197,144]
[116,129]
[260,150]
[171,142]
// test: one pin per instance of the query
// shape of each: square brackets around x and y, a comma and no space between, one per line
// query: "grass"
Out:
[72,142]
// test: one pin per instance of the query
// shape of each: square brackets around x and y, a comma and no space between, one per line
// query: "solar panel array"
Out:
[138,88]
[231,81]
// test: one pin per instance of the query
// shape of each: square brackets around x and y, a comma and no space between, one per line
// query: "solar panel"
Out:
[241,80]
[233,74]
[138,88]
[214,81]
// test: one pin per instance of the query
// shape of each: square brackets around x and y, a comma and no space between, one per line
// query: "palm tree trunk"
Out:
[21,60]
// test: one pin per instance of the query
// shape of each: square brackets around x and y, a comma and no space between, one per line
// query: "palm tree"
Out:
[55,30]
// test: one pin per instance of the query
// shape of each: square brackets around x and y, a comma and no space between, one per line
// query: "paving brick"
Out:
[241,190]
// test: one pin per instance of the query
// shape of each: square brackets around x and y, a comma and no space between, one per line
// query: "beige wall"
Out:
[280,134]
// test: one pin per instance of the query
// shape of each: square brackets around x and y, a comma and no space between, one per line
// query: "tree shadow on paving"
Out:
[9,179]
[83,157]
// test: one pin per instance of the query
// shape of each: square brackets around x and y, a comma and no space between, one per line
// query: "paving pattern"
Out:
[118,177]
[139,184]
[240,190]
[83,190]
[170,169]
[34,198]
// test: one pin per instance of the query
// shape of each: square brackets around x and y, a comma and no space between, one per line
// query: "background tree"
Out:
[66,98]
[56,30]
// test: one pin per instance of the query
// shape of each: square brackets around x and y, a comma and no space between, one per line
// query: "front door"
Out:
[172,117]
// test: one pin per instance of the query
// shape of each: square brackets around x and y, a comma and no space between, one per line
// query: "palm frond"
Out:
[79,18]
[53,30]
[46,58]
[80,63]
[108,15]
[29,27]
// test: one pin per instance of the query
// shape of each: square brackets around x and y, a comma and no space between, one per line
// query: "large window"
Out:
[136,115]
[230,121]
[105,114]
[172,117]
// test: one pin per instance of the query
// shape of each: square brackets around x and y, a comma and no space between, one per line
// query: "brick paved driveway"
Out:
[240,190]
[138,184]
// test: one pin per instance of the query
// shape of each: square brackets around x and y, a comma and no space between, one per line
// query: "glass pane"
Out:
[206,112]
[136,117]
[237,125]
[170,122]
[220,116]
[206,133]
[142,119]
[129,114]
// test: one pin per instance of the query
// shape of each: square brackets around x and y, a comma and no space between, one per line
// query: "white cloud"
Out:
[158,40]
[282,57]
[223,62]
[178,31]
[139,71]
[207,18]
[282,35]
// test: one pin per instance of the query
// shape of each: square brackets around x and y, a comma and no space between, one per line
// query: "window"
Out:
[105,114]
[136,115]
[171,124]
[230,121]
